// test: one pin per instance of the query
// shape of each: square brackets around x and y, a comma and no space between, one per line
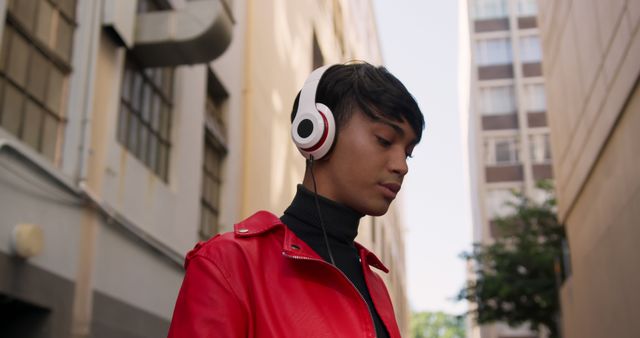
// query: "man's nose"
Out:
[398,163]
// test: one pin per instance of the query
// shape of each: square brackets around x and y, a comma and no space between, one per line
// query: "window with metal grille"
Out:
[145,116]
[502,150]
[214,152]
[35,62]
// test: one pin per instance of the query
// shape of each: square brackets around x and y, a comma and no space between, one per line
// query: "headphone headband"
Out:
[308,93]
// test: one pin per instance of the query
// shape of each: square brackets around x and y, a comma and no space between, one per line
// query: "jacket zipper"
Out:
[343,275]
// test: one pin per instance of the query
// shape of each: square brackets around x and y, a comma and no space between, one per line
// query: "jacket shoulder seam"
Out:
[224,275]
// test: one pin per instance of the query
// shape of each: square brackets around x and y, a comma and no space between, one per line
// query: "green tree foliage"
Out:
[517,276]
[436,325]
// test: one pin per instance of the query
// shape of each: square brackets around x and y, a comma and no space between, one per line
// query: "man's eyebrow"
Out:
[397,129]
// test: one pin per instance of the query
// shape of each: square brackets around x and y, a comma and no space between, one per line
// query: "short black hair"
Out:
[374,90]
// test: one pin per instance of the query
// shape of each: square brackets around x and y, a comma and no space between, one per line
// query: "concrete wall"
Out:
[593,48]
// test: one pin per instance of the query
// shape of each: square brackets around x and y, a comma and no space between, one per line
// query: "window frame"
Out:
[214,145]
[482,6]
[491,144]
[154,126]
[36,95]
[535,99]
[527,8]
[540,143]
[530,48]
[487,104]
[485,53]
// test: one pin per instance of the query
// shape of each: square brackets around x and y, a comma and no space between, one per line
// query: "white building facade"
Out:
[508,132]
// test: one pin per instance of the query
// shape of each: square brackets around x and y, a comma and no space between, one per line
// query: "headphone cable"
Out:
[324,231]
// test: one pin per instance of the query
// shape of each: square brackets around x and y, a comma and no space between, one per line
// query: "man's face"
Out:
[365,169]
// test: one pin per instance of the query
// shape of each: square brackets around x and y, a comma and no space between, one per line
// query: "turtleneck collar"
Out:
[340,221]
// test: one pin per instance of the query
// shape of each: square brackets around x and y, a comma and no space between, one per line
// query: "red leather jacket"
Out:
[263,281]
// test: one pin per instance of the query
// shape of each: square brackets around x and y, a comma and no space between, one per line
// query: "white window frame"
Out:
[489,52]
[491,152]
[540,147]
[490,9]
[530,48]
[527,8]
[535,100]
[490,105]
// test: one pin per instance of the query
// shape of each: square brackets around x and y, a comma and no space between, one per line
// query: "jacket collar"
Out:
[264,221]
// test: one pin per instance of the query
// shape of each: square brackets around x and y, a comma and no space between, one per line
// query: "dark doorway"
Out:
[20,319]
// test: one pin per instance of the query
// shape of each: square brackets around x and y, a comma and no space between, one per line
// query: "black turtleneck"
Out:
[341,224]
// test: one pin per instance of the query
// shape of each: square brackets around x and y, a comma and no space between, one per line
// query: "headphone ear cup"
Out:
[329,132]
[314,132]
[313,126]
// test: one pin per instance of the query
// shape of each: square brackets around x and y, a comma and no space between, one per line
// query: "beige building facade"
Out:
[122,145]
[592,50]
[286,40]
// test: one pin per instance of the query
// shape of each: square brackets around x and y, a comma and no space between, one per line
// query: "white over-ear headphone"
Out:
[313,129]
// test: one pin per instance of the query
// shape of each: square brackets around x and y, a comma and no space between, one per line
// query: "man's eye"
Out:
[383,142]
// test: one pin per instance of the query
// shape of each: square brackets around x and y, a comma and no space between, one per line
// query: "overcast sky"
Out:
[420,46]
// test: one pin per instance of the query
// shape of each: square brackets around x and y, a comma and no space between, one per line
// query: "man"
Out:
[302,275]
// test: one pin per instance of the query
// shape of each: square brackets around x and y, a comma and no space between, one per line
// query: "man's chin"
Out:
[378,210]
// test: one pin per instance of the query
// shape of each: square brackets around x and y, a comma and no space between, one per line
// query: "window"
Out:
[535,98]
[215,149]
[35,61]
[211,181]
[540,148]
[495,51]
[144,121]
[527,7]
[530,51]
[497,100]
[502,151]
[490,9]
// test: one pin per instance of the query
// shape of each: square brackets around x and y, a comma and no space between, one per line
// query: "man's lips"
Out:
[390,189]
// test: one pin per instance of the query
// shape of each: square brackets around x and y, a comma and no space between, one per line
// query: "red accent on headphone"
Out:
[324,135]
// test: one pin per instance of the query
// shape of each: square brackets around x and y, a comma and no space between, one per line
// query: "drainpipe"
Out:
[82,307]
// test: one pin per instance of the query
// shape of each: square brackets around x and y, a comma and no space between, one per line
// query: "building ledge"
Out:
[198,33]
